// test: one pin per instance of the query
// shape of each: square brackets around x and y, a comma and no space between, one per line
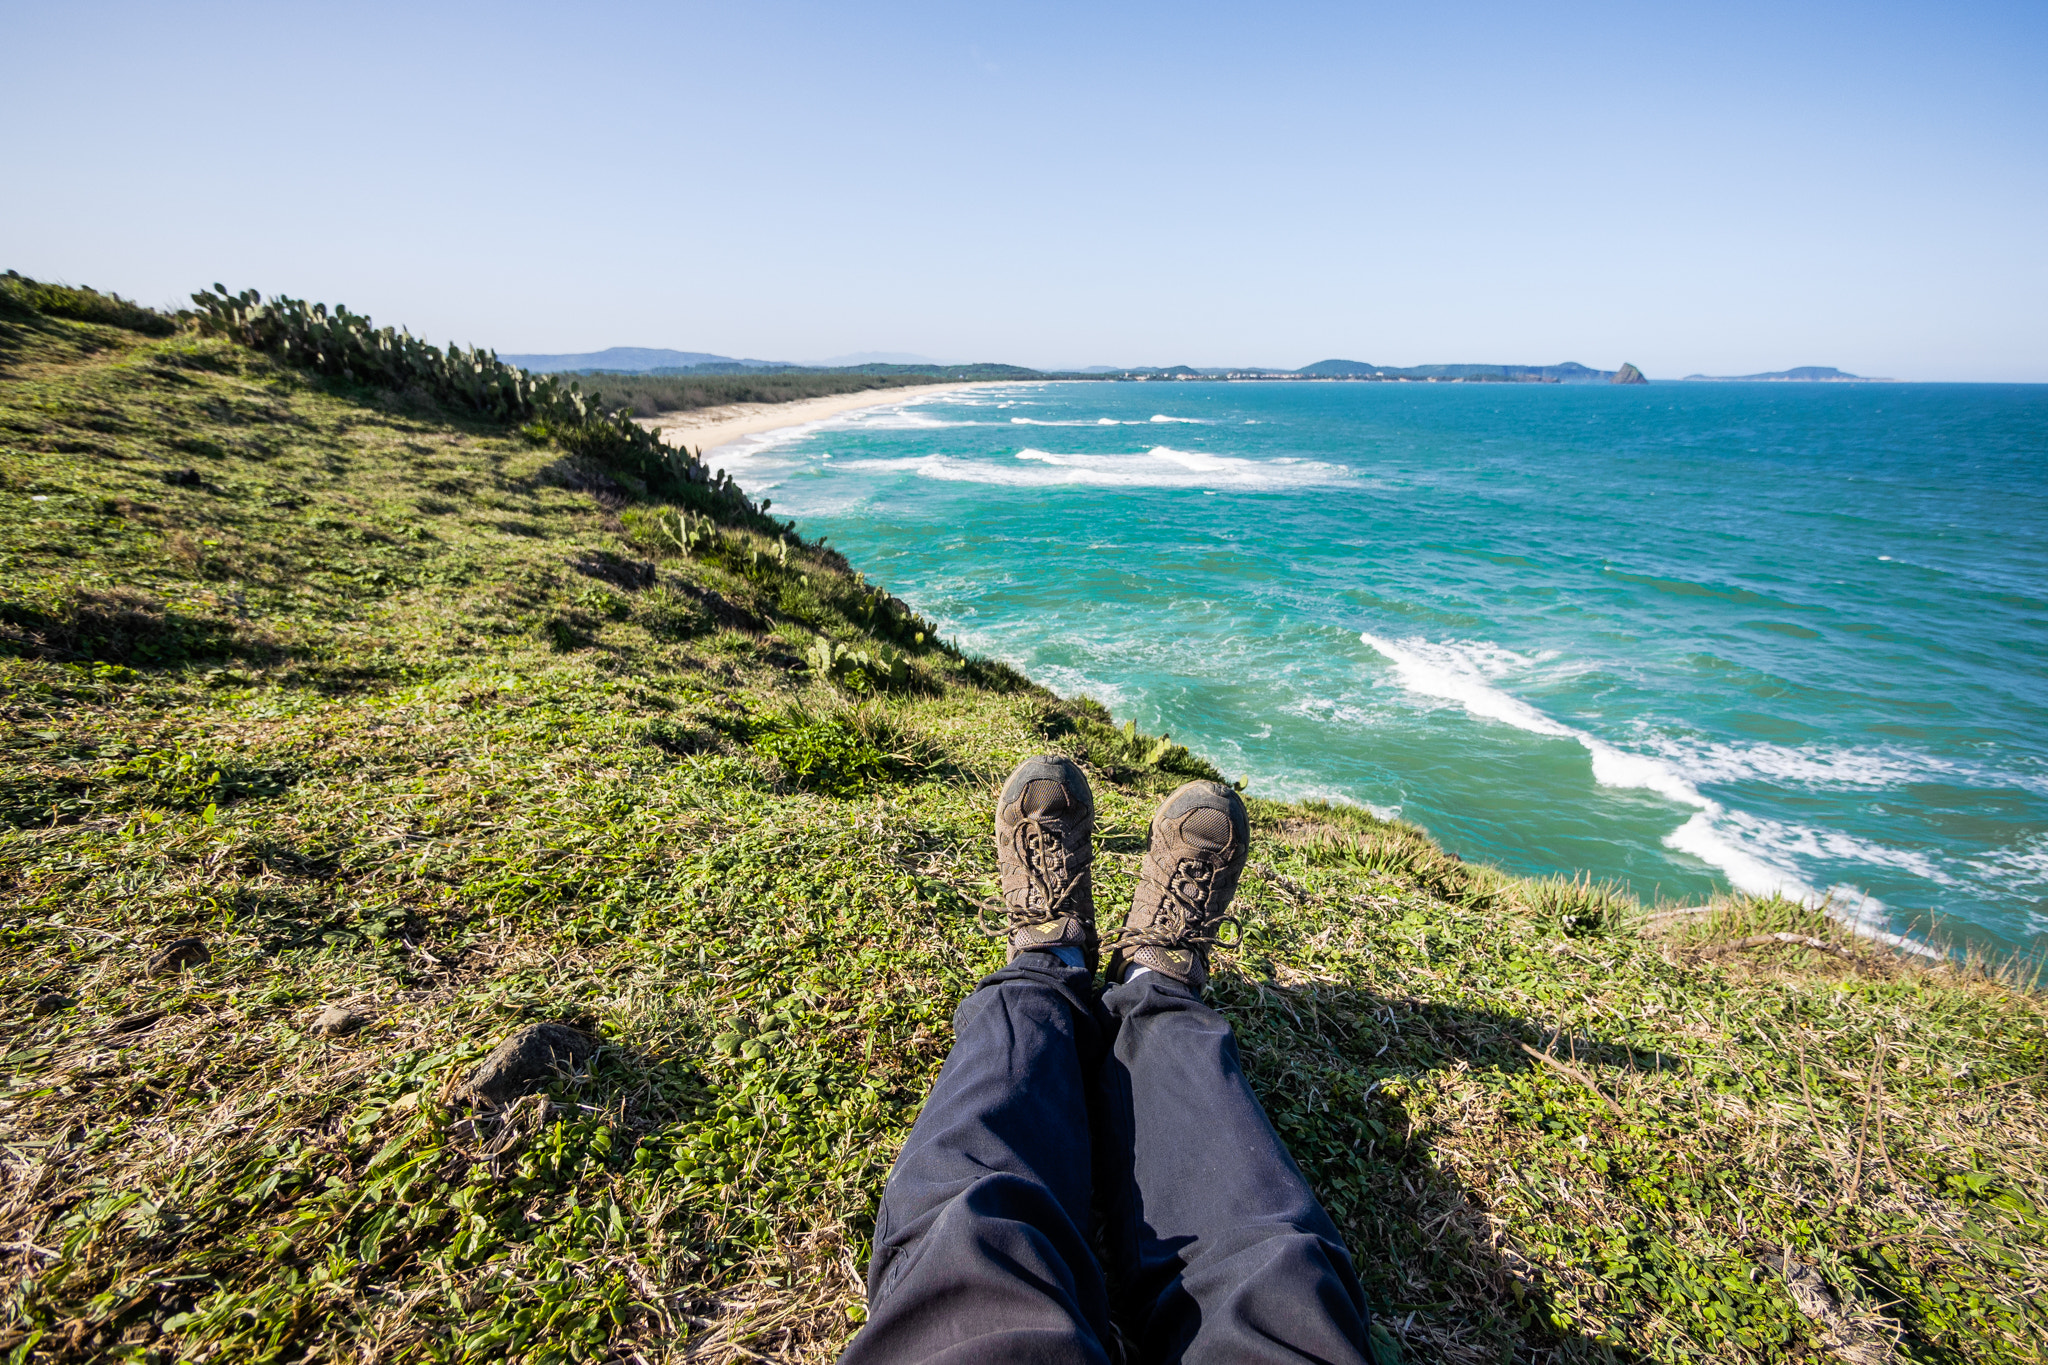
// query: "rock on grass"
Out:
[337,1021]
[179,954]
[529,1059]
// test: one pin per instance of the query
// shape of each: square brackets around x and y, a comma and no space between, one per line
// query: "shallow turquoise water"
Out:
[1680,636]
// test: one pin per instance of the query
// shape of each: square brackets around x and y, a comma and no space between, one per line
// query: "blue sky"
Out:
[1720,188]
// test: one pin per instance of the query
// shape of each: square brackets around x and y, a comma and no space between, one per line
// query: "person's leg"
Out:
[981,1249]
[981,1244]
[1221,1251]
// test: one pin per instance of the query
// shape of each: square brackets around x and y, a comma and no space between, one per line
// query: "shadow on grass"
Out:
[1332,1065]
[117,626]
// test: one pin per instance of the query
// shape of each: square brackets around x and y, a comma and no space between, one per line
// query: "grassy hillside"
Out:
[346,735]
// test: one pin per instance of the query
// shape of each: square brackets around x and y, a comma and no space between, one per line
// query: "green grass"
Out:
[426,717]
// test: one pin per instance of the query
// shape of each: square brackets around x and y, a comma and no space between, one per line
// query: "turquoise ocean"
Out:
[1684,636]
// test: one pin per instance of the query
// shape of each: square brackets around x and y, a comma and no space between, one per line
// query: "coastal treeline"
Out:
[649,395]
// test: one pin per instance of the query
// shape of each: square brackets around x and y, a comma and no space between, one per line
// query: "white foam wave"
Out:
[896,419]
[1809,765]
[2023,868]
[1751,852]
[1159,467]
[1462,671]
[1814,766]
[1094,421]
[1162,417]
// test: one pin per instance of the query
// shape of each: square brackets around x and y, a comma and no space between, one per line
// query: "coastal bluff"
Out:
[357,732]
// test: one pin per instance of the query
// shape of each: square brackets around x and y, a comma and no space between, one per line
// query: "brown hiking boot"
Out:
[1200,837]
[1045,820]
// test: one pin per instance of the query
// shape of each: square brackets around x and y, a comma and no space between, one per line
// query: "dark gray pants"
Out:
[1054,1101]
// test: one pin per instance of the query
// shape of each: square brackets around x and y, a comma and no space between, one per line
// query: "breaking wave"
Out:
[1755,854]
[1159,467]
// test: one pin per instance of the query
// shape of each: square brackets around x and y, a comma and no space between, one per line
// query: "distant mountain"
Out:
[1571,372]
[637,360]
[1808,374]
[840,362]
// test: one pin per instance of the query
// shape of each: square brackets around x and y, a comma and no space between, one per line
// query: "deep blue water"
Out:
[1682,636]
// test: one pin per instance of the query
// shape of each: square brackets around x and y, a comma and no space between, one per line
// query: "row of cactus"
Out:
[698,537]
[689,533]
[346,345]
[878,609]
[863,669]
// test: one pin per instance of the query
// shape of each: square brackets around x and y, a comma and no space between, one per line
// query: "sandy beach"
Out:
[704,430]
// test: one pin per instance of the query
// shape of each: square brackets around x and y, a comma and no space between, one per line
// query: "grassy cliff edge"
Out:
[348,731]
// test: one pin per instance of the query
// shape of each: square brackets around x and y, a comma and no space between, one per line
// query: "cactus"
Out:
[345,345]
[859,669]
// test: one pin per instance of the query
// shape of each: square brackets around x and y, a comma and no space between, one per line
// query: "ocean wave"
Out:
[2022,868]
[1811,765]
[1091,421]
[1290,786]
[894,419]
[1162,417]
[1159,467]
[1752,853]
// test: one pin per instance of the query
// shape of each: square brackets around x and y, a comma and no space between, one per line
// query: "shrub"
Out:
[1580,905]
[19,294]
[822,754]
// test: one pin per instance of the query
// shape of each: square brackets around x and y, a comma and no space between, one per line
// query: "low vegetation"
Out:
[351,728]
[650,395]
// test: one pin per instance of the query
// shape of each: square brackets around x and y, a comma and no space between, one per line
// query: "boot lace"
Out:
[1047,870]
[1181,918]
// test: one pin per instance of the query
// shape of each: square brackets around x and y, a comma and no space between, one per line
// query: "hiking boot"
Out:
[1200,837]
[1045,820]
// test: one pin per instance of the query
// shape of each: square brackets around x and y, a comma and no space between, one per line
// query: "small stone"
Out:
[179,954]
[528,1060]
[337,1021]
[50,1002]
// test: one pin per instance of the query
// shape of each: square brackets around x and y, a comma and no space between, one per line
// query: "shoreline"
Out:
[705,430]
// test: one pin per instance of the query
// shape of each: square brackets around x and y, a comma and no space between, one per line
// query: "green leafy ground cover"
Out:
[417,715]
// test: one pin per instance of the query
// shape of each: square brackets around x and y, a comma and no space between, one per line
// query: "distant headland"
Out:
[1801,374]
[668,364]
